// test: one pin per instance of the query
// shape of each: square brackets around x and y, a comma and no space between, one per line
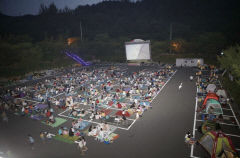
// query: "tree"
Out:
[230,61]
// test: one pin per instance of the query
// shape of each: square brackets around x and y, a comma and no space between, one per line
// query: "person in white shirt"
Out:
[191,78]
[80,143]
[100,135]
[180,86]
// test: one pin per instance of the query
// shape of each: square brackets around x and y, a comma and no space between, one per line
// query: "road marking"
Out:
[131,124]
[108,107]
[57,95]
[163,86]
[90,121]
[221,123]
[29,100]
[226,109]
[233,135]
[215,114]
[194,123]
[232,110]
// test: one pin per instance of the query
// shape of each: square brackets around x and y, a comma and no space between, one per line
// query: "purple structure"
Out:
[77,59]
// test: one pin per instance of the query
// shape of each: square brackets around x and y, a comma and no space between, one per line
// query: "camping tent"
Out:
[211,88]
[221,93]
[213,107]
[210,96]
[208,126]
[216,142]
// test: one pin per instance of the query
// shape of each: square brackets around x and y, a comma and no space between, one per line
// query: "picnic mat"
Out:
[112,128]
[119,113]
[66,138]
[36,117]
[58,122]
[113,136]
[83,125]
[145,103]
[121,99]
[40,106]
[107,111]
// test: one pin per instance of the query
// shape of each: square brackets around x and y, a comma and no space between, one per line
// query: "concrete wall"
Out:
[189,62]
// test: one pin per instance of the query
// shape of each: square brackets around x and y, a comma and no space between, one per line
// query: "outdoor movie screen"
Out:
[137,51]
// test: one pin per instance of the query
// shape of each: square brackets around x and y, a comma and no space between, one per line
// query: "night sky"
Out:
[22,7]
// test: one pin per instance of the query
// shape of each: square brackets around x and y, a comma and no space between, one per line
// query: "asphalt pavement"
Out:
[158,134]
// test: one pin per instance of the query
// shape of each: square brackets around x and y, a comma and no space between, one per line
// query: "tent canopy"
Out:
[222,93]
[216,142]
[213,107]
[210,96]
[211,88]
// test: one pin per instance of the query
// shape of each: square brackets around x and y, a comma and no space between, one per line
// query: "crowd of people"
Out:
[91,93]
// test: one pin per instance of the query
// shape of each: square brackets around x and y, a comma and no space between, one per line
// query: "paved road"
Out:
[159,133]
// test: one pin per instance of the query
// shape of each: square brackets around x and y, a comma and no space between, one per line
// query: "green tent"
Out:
[213,107]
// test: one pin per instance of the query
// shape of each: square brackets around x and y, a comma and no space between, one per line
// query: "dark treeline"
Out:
[199,27]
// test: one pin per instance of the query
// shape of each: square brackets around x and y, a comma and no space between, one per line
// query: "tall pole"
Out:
[170,38]
[81,29]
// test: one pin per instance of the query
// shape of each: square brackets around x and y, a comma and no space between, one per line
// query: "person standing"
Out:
[84,144]
[48,103]
[31,141]
[4,117]
[80,145]
[42,136]
[191,78]
[180,86]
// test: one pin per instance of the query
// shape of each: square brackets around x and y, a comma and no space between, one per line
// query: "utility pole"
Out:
[170,38]
[81,30]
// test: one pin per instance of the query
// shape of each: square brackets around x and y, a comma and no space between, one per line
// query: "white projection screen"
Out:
[138,50]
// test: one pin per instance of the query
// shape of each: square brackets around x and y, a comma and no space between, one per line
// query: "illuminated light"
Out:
[176,45]
[71,40]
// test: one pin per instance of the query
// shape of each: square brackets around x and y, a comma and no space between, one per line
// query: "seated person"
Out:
[52,119]
[189,139]
[93,132]
[117,119]
[77,133]
[103,114]
[97,116]
[100,136]
[91,116]
[65,131]
[74,113]
[48,113]
[60,131]
[71,132]
[82,113]
[106,127]
[49,135]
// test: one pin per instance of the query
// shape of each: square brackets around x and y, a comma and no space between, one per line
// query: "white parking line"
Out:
[93,121]
[134,120]
[194,123]
[232,110]
[131,124]
[29,100]
[163,86]
[215,114]
[221,123]
[233,135]
[226,109]
[57,95]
